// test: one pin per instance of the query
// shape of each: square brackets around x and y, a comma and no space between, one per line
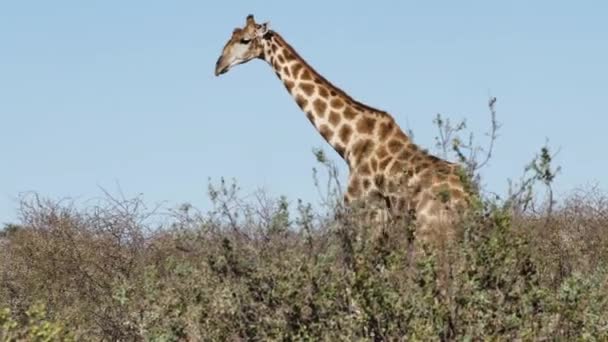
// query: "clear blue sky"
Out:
[95,93]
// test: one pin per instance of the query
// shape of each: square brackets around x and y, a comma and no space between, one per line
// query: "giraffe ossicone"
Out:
[385,166]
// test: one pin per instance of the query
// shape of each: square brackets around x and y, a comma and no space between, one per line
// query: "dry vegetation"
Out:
[267,269]
[250,271]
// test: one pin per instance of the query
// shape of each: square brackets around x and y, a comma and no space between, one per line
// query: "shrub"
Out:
[265,272]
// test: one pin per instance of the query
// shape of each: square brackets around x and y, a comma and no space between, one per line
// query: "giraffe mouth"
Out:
[220,68]
[221,72]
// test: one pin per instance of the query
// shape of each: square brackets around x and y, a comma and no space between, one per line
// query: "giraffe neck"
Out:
[343,122]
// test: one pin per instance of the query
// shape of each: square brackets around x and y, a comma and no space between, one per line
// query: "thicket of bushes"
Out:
[267,269]
[253,272]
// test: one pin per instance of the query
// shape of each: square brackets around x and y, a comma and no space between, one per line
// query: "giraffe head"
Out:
[244,45]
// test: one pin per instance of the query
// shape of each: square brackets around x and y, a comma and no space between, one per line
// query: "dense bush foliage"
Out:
[270,270]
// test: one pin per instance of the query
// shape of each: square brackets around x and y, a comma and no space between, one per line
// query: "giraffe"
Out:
[385,166]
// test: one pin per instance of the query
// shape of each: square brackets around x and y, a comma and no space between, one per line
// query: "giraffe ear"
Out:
[262,29]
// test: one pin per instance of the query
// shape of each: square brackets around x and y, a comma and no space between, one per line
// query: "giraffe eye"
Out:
[245,41]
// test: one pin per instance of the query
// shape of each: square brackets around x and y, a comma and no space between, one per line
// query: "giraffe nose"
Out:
[219,68]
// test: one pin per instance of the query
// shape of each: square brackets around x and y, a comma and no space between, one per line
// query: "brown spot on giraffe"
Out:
[288,55]
[326,132]
[362,149]
[384,163]
[345,133]
[349,113]
[286,71]
[395,146]
[307,88]
[442,170]
[385,128]
[434,160]
[409,172]
[416,158]
[382,152]
[354,187]
[306,75]
[423,166]
[281,59]
[295,69]
[374,164]
[320,106]
[366,184]
[337,103]
[301,101]
[397,167]
[366,125]
[289,85]
[364,169]
[334,118]
[323,92]
[404,154]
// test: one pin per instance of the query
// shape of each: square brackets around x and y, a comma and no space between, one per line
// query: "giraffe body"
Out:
[385,166]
